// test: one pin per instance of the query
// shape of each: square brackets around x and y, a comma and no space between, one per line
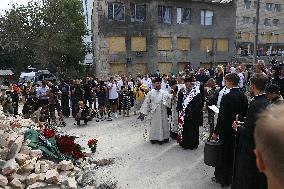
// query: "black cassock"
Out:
[247,175]
[192,121]
[232,104]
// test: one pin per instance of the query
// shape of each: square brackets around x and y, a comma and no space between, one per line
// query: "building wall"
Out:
[158,36]
[270,35]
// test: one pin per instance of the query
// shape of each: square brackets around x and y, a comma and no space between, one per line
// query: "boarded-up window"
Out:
[245,36]
[164,43]
[265,38]
[183,43]
[117,68]
[138,43]
[222,45]
[274,38]
[117,44]
[206,44]
[165,67]
[139,68]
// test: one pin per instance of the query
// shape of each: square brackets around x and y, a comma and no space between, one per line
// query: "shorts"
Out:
[113,101]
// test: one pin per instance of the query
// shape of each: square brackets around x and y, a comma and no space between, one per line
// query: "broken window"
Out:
[138,13]
[206,17]
[247,4]
[116,11]
[165,14]
[269,6]
[276,22]
[267,22]
[183,16]
[277,7]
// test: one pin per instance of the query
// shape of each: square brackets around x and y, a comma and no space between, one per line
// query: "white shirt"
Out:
[147,82]
[112,94]
[165,86]
[120,84]
[242,79]
[42,92]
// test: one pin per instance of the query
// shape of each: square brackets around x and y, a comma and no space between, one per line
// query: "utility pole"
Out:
[256,33]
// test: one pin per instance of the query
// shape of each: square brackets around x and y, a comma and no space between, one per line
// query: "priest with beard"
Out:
[189,106]
[232,104]
[155,106]
[247,176]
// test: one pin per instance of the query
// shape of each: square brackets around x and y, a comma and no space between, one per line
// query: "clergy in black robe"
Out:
[189,106]
[247,176]
[232,104]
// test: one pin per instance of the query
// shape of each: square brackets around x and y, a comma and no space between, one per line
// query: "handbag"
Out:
[213,153]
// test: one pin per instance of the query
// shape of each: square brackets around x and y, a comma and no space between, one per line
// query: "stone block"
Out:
[65,165]
[8,187]
[11,138]
[28,166]
[16,147]
[32,178]
[26,150]
[22,158]
[4,153]
[38,185]
[3,181]
[44,167]
[21,178]
[10,167]
[36,153]
[37,167]
[16,184]
[71,183]
[2,163]
[52,176]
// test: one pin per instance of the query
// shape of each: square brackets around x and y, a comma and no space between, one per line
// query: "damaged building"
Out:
[136,36]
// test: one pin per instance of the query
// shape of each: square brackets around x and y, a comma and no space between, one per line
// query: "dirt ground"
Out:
[139,164]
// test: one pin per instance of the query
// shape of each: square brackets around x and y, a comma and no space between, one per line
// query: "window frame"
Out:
[203,21]
[113,11]
[161,18]
[269,6]
[277,7]
[247,4]
[267,22]
[190,16]
[135,12]
[276,21]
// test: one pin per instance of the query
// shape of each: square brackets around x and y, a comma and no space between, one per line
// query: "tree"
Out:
[48,34]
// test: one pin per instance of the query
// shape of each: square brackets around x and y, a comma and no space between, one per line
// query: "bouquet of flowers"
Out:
[92,143]
[49,133]
[67,145]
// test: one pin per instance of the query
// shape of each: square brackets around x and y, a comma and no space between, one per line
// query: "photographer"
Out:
[53,101]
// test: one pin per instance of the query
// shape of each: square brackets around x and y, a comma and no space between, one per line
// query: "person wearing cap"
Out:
[272,93]
[155,106]
[189,106]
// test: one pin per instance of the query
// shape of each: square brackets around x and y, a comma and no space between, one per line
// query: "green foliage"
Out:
[48,34]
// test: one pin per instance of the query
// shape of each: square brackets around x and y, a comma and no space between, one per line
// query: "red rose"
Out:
[48,133]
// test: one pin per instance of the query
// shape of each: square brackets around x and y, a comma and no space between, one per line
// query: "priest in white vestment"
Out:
[155,106]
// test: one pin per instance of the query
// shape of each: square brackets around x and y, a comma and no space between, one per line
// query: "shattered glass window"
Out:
[138,13]
[183,16]
[165,14]
[116,11]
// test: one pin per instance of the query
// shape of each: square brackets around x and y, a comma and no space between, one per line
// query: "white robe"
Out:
[155,105]
[173,119]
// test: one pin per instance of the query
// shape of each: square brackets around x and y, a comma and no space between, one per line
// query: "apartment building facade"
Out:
[271,26]
[139,36]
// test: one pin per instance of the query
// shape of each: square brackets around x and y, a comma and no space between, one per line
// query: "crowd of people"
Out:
[174,104]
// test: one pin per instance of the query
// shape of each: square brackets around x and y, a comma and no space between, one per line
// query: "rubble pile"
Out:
[23,167]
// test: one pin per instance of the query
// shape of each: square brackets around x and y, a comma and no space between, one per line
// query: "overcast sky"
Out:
[6,4]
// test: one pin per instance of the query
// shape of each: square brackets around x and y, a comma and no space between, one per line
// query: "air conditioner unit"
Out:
[272,33]
[262,33]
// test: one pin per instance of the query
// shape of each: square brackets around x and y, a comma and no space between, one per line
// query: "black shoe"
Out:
[154,141]
[166,140]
